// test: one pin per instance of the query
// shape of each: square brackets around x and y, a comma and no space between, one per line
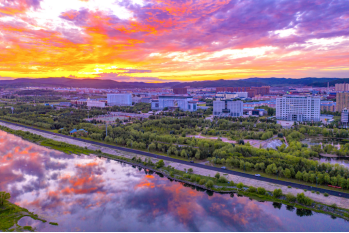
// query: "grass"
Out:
[10,214]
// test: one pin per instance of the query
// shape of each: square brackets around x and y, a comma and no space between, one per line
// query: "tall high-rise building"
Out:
[228,108]
[180,91]
[298,108]
[342,87]
[119,99]
[342,101]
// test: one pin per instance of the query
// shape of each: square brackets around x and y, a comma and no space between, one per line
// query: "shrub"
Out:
[305,190]
[190,170]
[160,163]
[209,184]
[217,175]
[277,193]
[290,197]
[193,178]
[302,199]
[198,179]
[317,192]
[222,179]
[326,194]
[252,189]
[240,185]
[334,206]
[171,173]
[313,191]
[202,182]
[289,187]
[261,190]
[186,175]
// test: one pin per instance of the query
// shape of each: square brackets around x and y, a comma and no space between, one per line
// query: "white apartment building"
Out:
[298,108]
[184,103]
[227,108]
[93,103]
[231,95]
[344,118]
[119,99]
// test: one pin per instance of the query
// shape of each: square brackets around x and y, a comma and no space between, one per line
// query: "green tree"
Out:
[222,179]
[209,184]
[217,175]
[261,190]
[302,199]
[152,146]
[290,197]
[334,180]
[240,185]
[277,193]
[3,197]
[299,175]
[287,173]
[271,169]
[160,163]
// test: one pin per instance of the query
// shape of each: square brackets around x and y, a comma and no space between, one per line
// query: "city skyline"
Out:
[163,41]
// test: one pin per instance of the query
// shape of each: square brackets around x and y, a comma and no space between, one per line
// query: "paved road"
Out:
[285,183]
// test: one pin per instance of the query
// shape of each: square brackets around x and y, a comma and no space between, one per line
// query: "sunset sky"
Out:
[174,40]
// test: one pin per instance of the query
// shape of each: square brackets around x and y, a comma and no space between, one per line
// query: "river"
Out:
[86,193]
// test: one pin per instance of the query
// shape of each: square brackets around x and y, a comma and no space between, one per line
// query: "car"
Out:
[191,161]
[223,167]
[257,175]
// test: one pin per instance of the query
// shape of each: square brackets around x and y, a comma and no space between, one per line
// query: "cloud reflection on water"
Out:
[92,194]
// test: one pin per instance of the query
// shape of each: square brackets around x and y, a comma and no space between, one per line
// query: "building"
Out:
[184,103]
[298,108]
[146,100]
[345,118]
[136,99]
[228,108]
[180,91]
[65,104]
[342,100]
[264,90]
[252,91]
[119,99]
[96,104]
[341,87]
[328,106]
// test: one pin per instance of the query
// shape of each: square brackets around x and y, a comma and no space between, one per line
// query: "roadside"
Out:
[339,201]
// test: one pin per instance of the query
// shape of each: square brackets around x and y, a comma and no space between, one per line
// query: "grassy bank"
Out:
[10,214]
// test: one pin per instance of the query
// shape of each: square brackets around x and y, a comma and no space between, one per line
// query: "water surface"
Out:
[85,193]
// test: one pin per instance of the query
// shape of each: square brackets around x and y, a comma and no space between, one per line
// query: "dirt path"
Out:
[341,202]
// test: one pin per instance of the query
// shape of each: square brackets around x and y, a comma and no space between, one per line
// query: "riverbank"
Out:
[10,214]
[126,156]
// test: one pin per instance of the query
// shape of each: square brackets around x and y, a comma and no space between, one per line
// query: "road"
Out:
[280,182]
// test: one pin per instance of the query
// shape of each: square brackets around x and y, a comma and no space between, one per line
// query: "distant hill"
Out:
[99,83]
[82,83]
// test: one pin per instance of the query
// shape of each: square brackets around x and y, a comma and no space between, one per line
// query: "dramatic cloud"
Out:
[168,40]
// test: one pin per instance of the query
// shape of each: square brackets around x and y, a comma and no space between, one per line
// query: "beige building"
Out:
[342,100]
[342,87]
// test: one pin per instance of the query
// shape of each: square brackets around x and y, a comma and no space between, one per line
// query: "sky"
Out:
[174,40]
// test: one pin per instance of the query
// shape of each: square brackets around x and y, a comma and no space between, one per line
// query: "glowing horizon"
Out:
[173,40]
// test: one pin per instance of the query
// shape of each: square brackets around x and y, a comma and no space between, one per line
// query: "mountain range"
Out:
[105,84]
